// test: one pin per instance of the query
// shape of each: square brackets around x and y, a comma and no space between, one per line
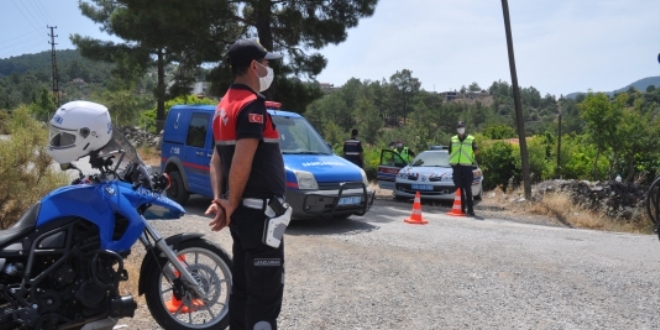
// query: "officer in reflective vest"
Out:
[353,150]
[404,152]
[462,150]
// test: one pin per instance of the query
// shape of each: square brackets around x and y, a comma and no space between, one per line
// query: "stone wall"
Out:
[622,200]
[140,138]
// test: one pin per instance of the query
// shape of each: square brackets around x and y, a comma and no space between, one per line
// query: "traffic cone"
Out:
[174,304]
[416,215]
[457,210]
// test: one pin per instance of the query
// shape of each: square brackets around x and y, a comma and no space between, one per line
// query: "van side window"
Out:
[197,130]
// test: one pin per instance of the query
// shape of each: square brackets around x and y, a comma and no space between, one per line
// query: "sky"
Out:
[560,46]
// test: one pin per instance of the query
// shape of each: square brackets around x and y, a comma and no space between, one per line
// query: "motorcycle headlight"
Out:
[306,180]
[364,178]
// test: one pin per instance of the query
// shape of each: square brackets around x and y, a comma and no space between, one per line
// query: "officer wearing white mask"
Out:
[247,173]
[462,151]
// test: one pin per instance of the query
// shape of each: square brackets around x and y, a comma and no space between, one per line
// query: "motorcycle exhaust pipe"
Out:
[123,306]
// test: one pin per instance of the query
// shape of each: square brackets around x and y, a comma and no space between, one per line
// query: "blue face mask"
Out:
[461,130]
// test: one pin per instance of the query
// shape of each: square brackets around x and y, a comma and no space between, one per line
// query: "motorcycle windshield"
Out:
[119,144]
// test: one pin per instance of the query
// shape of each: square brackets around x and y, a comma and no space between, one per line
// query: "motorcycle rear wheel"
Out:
[210,266]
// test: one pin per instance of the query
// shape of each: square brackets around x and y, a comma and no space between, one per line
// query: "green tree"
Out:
[44,106]
[499,131]
[404,88]
[474,88]
[602,119]
[368,120]
[187,32]
[298,29]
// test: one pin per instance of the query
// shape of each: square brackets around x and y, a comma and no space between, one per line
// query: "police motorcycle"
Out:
[62,263]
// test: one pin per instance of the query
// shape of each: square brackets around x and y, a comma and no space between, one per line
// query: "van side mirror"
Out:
[329,146]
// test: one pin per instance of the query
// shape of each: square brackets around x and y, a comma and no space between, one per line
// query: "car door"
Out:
[388,168]
[196,154]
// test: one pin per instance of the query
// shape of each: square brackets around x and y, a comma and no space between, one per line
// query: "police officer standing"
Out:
[404,152]
[353,150]
[462,150]
[247,164]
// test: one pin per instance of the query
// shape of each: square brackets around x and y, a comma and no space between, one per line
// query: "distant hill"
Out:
[38,62]
[640,85]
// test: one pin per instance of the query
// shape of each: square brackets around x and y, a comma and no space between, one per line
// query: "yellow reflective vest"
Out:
[461,152]
[404,154]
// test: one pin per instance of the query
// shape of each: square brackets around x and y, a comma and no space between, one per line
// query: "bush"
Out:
[498,163]
[25,171]
[4,122]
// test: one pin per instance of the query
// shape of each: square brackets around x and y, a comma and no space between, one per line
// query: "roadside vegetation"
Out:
[562,209]
[26,173]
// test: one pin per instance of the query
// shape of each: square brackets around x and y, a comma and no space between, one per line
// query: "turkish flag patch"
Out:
[256,118]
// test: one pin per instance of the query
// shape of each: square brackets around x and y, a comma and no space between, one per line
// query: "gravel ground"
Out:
[377,272]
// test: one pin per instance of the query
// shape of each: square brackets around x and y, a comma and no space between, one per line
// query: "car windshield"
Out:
[431,159]
[298,137]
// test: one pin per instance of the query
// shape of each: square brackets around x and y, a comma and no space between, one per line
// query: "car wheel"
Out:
[177,190]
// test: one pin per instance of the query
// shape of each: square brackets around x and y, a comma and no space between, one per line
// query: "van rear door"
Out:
[197,153]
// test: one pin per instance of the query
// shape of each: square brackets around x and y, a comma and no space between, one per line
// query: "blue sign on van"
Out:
[319,183]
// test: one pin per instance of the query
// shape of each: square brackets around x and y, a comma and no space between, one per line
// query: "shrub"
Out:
[498,163]
[26,173]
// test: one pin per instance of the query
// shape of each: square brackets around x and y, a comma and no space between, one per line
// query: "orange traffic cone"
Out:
[174,305]
[457,210]
[416,215]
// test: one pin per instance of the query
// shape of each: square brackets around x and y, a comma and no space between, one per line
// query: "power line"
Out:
[28,43]
[35,19]
[32,49]
[21,11]
[36,10]
[45,11]
[17,37]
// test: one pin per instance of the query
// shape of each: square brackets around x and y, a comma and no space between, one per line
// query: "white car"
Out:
[429,173]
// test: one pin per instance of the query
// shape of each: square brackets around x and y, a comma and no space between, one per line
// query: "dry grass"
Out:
[132,265]
[559,207]
[26,174]
[150,155]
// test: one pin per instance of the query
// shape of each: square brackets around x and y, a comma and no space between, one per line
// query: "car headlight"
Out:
[364,178]
[306,180]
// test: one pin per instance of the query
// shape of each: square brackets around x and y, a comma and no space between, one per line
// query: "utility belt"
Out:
[278,216]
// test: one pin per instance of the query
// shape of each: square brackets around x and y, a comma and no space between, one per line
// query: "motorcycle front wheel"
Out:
[176,307]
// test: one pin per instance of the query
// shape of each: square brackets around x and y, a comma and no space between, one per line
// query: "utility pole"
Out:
[559,147]
[516,98]
[56,88]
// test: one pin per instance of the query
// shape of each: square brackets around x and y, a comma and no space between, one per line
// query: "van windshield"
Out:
[297,136]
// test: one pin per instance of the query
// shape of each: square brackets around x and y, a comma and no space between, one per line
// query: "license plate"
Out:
[350,201]
[422,187]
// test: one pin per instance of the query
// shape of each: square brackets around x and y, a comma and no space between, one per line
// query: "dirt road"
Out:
[377,272]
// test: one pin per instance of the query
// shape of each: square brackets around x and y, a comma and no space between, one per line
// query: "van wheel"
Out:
[177,190]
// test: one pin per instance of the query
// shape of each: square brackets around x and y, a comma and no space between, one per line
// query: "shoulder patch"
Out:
[256,118]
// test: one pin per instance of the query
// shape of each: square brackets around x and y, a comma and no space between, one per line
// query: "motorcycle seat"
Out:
[22,227]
